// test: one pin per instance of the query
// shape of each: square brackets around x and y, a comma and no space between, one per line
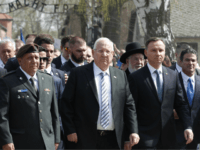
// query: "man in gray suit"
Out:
[29,116]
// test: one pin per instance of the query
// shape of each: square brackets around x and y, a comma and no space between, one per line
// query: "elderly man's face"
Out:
[103,54]
[43,60]
[29,63]
[155,53]
[136,61]
[7,51]
[89,57]
[50,52]
[78,52]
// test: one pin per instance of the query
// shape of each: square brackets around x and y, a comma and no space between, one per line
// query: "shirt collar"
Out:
[48,69]
[179,68]
[1,64]
[152,69]
[186,77]
[27,75]
[97,70]
[63,60]
[76,64]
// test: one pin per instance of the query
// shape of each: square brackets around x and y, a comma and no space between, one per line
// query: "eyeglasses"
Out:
[43,58]
[101,52]
[66,48]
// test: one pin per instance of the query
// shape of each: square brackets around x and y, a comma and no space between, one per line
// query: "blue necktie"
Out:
[104,121]
[190,91]
[159,86]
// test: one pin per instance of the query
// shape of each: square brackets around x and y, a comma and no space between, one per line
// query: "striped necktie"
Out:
[104,121]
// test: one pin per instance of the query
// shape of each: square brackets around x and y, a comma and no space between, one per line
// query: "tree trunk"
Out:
[155,20]
[112,27]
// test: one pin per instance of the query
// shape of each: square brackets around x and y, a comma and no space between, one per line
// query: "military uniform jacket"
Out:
[27,119]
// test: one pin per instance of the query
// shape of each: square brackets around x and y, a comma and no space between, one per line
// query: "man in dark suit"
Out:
[177,66]
[157,91]
[2,72]
[47,43]
[77,48]
[96,116]
[29,113]
[190,83]
[133,57]
[64,57]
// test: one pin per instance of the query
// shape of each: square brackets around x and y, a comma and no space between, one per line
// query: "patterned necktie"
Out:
[104,121]
[33,84]
[159,86]
[190,91]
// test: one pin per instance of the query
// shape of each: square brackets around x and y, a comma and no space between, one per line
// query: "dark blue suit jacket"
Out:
[67,67]
[59,88]
[2,72]
[156,119]
[57,62]
[60,74]
[194,112]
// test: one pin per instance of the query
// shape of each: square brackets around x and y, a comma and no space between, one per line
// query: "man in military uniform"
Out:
[29,116]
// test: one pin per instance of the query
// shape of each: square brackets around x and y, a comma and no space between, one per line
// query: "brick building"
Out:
[6,22]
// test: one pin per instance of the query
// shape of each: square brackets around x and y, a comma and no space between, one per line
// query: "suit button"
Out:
[41,129]
[38,102]
[40,111]
[40,120]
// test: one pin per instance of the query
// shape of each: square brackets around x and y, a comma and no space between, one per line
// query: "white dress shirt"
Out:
[49,70]
[34,77]
[63,60]
[185,80]
[154,75]
[178,68]
[97,77]
[76,64]
[1,64]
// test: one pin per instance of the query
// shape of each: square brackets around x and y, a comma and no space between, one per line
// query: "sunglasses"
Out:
[66,48]
[44,58]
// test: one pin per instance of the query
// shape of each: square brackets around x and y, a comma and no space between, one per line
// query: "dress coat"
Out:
[57,61]
[29,119]
[195,116]
[80,106]
[155,119]
[67,67]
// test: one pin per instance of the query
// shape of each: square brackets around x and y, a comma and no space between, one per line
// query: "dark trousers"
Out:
[106,140]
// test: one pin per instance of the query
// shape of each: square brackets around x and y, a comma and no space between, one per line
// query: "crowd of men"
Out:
[80,99]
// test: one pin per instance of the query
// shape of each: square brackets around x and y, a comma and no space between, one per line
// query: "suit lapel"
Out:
[22,78]
[40,83]
[197,87]
[150,82]
[166,79]
[183,88]
[71,64]
[90,76]
[113,79]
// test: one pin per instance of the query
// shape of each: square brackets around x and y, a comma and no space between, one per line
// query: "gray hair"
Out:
[103,39]
[4,41]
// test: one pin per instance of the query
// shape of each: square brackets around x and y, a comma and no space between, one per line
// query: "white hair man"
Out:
[7,50]
[134,57]
[104,105]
